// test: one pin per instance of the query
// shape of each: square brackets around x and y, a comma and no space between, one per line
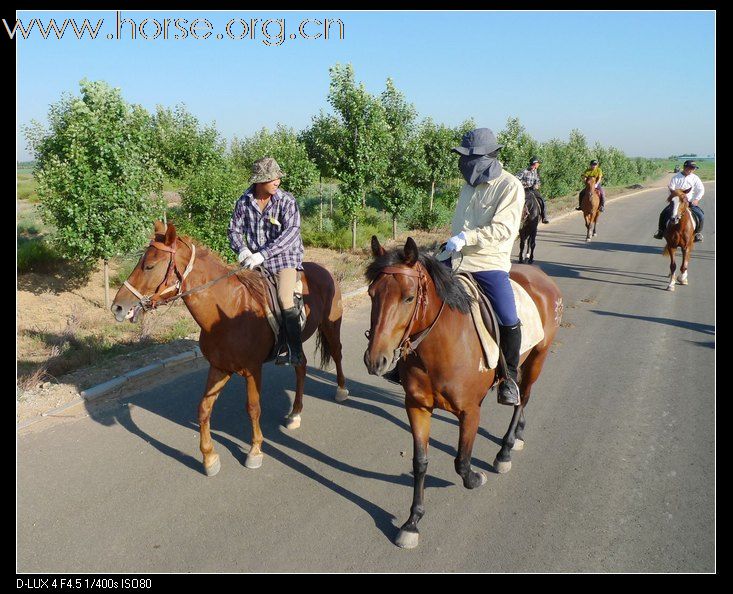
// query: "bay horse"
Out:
[420,318]
[680,233]
[590,204]
[528,227]
[229,305]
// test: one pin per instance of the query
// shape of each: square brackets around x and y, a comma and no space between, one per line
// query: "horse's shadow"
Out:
[231,425]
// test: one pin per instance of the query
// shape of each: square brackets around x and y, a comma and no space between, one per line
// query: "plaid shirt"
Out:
[530,178]
[275,232]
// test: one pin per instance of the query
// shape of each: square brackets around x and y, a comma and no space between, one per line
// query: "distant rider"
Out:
[530,178]
[685,180]
[593,171]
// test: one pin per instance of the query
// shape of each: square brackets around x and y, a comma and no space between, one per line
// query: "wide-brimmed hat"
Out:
[480,141]
[265,170]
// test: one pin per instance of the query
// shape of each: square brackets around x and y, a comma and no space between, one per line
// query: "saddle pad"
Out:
[532,330]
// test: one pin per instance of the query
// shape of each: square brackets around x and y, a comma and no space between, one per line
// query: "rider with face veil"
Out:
[484,227]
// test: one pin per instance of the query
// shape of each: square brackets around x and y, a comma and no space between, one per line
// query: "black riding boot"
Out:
[543,215]
[580,201]
[664,216]
[511,338]
[292,334]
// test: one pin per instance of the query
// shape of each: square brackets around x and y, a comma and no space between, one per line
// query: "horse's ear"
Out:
[159,228]
[377,249]
[411,252]
[170,234]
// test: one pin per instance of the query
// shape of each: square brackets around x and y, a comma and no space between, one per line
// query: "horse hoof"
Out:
[587,238]
[342,394]
[670,288]
[483,479]
[682,282]
[502,467]
[213,468]
[406,539]
[253,461]
[292,422]
[518,445]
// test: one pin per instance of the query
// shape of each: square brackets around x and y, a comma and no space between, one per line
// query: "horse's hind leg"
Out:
[521,248]
[503,460]
[468,425]
[408,536]
[292,421]
[332,334]
[532,244]
[531,369]
[215,382]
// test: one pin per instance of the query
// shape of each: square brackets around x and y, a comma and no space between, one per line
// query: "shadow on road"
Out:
[704,328]
[231,426]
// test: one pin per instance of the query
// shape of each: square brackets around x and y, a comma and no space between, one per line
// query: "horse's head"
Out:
[680,202]
[590,182]
[153,276]
[397,289]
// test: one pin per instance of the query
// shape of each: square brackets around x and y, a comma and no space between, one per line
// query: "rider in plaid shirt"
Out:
[265,231]
[530,179]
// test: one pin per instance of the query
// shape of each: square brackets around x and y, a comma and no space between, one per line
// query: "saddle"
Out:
[487,323]
[273,311]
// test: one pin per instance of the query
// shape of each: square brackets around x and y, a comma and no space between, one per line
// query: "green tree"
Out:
[321,141]
[399,186]
[362,136]
[518,147]
[208,201]
[436,141]
[283,145]
[96,171]
[181,144]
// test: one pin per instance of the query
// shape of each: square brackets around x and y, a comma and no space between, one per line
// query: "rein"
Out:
[150,302]
[408,344]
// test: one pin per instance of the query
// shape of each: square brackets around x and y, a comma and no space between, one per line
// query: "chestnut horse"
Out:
[590,204]
[229,305]
[421,319]
[680,233]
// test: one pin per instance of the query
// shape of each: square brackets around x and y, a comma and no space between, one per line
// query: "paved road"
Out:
[618,472]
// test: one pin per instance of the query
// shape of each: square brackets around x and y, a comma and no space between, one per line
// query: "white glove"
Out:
[456,243]
[243,255]
[254,260]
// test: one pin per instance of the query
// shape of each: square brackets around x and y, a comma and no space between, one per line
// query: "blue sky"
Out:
[641,81]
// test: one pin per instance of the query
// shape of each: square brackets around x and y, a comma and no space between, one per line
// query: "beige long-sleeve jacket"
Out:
[490,215]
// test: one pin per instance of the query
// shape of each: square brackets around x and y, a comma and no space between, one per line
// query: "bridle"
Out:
[148,302]
[408,344]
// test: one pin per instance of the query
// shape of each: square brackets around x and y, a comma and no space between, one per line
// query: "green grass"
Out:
[27,187]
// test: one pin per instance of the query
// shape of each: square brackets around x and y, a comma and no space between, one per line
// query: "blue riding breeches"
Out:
[495,284]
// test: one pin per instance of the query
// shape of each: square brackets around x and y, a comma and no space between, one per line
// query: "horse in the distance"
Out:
[229,305]
[590,204]
[421,318]
[680,233]
[528,228]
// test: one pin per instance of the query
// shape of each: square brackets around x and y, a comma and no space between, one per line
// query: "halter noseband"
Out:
[152,301]
[408,344]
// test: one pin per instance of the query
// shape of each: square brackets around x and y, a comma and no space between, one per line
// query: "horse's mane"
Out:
[251,279]
[449,290]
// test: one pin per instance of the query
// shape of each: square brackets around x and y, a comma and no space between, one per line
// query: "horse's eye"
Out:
[410,299]
[149,266]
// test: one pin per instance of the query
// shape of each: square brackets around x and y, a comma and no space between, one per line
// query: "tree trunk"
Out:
[106,285]
[353,234]
[394,226]
[320,211]
[432,193]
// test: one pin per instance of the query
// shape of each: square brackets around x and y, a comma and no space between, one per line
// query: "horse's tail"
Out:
[324,352]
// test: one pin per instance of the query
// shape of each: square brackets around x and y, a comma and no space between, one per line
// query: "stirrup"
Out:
[508,392]
[698,238]
[658,235]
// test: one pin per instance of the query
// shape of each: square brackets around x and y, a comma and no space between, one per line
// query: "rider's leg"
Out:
[285,293]
[580,201]
[602,194]
[496,285]
[701,219]
[543,214]
[664,216]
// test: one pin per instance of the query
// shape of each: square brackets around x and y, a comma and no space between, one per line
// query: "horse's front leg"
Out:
[521,249]
[595,226]
[468,421]
[682,278]
[587,228]
[254,385]
[292,421]
[408,536]
[214,384]
[672,268]
[532,244]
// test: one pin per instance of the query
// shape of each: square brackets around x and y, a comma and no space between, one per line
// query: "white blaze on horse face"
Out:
[675,206]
